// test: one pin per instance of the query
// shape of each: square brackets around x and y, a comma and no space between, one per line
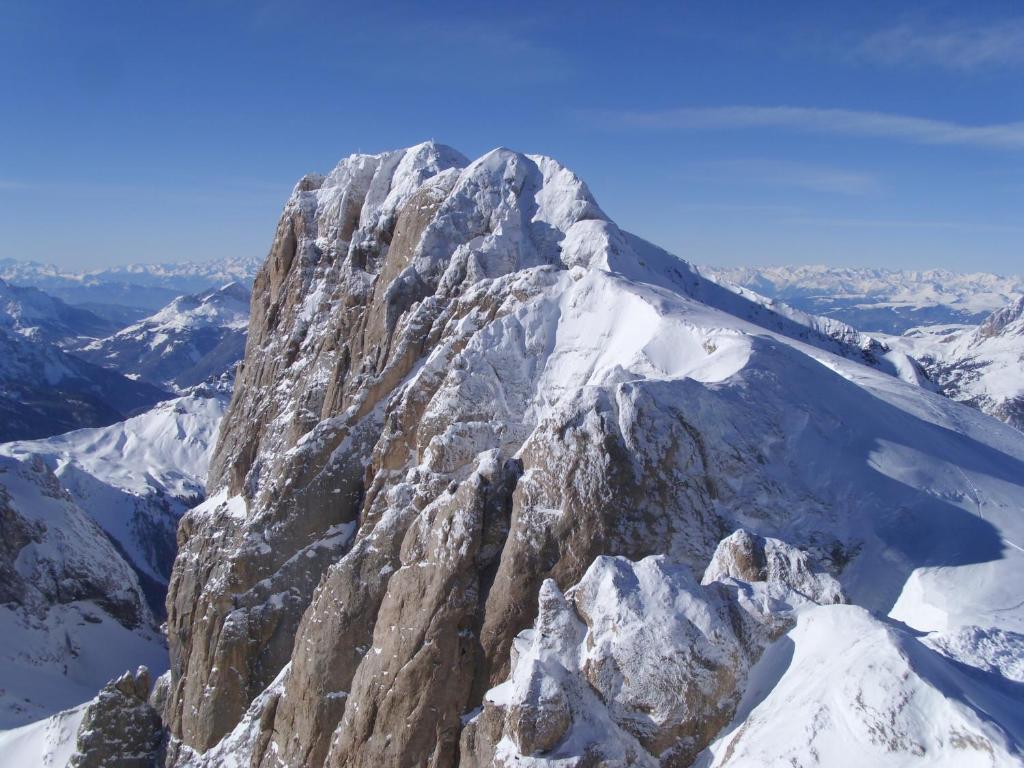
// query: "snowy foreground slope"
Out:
[185,343]
[45,743]
[501,484]
[882,300]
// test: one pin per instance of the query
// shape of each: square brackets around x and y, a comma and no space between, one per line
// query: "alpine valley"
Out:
[501,484]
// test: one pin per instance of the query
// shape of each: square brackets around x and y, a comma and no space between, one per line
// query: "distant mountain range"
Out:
[42,317]
[66,367]
[143,287]
[889,301]
[45,390]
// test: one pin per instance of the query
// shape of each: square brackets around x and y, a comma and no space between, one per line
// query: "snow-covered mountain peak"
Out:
[41,317]
[1006,321]
[188,341]
[225,307]
[375,185]
[472,405]
[481,447]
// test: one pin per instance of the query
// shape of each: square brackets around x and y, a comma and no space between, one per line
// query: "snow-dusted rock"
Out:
[119,728]
[638,663]
[462,380]
[788,571]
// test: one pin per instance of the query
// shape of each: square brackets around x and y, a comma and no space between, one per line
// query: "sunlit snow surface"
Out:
[136,477]
[46,743]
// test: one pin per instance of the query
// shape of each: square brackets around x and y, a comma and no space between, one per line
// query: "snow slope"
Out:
[883,300]
[46,743]
[190,340]
[844,689]
[137,477]
[938,487]
[981,365]
[72,613]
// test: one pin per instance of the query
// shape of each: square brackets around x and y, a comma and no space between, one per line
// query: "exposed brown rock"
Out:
[120,729]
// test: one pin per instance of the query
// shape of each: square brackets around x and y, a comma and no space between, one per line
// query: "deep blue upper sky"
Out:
[850,133]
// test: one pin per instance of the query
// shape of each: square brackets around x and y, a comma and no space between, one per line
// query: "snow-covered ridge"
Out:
[137,477]
[192,339]
[981,365]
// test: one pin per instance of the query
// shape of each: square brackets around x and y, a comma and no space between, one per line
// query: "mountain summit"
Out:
[502,484]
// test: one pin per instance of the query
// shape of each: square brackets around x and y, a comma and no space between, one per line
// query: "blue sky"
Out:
[848,133]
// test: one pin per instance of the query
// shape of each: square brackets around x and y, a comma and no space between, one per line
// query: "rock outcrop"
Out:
[638,664]
[120,729]
[465,391]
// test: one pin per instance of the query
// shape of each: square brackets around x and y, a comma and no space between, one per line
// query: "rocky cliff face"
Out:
[466,394]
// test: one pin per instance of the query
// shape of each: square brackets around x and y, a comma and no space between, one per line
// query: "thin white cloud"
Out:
[952,46]
[845,122]
[785,173]
[868,223]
